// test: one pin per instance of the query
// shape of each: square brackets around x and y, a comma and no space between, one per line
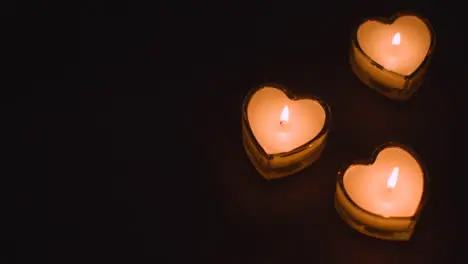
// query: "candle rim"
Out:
[389,21]
[370,161]
[293,97]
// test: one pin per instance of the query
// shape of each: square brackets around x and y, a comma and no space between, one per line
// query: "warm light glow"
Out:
[396,39]
[392,180]
[284,118]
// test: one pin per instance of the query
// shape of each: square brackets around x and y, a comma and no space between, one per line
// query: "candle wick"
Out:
[282,123]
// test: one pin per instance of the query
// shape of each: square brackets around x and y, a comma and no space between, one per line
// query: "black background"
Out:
[124,133]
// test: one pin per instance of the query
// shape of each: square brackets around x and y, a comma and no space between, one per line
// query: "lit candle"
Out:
[283,134]
[391,56]
[383,199]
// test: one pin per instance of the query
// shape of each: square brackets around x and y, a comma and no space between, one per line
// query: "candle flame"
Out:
[396,39]
[284,118]
[392,180]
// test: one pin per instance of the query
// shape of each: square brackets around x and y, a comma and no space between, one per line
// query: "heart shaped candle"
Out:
[392,55]
[283,134]
[383,198]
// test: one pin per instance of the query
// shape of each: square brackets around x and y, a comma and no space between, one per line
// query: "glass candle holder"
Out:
[282,133]
[392,55]
[383,197]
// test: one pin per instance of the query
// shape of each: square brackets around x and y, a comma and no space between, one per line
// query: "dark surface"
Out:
[129,146]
